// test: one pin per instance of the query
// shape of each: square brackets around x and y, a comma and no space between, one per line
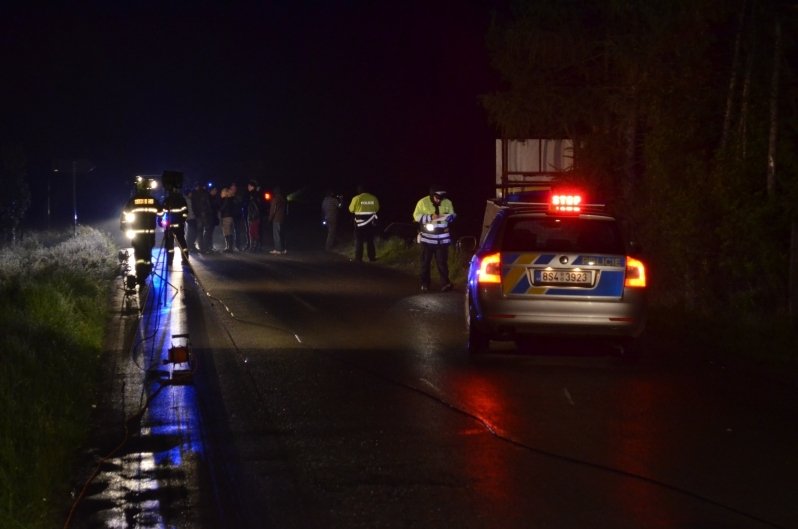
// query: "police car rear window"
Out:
[549,234]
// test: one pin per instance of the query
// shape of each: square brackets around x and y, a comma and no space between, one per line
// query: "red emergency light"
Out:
[566,203]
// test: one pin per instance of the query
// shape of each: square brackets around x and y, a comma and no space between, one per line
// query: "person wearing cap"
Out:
[364,206]
[434,213]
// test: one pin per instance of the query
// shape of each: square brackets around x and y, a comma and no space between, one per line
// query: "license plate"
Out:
[562,277]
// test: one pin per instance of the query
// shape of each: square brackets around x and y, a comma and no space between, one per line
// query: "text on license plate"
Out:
[563,277]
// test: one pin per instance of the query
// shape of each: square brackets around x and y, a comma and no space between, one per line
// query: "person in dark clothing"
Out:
[227,212]
[201,204]
[277,213]
[175,213]
[255,209]
[216,205]
[239,219]
[191,223]
[330,206]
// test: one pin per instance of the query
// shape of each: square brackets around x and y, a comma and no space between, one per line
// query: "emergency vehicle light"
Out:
[566,203]
[490,269]
[267,196]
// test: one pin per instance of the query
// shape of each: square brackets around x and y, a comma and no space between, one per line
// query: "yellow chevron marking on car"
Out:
[516,271]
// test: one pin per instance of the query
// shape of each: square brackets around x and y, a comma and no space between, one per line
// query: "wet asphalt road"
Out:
[334,394]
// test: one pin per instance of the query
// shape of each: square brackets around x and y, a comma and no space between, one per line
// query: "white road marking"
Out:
[568,396]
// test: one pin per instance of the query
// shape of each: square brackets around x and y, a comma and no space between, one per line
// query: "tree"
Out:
[15,199]
[674,109]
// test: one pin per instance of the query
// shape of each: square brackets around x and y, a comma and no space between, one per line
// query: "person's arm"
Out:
[418,213]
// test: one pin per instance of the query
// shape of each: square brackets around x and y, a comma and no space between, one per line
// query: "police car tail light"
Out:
[566,203]
[635,273]
[490,267]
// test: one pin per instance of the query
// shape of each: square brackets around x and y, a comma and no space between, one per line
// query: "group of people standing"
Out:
[433,214]
[191,220]
[241,215]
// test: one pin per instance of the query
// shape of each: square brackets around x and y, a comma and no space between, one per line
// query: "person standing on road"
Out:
[191,223]
[277,212]
[175,213]
[201,204]
[239,220]
[254,208]
[216,205]
[329,211]
[434,213]
[227,215]
[364,207]
[138,223]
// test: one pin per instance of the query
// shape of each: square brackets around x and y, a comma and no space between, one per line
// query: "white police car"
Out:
[561,268]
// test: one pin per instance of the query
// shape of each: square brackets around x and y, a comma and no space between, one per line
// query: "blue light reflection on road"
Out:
[173,414]
[152,481]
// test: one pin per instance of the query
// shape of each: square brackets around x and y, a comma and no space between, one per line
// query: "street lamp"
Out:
[83,166]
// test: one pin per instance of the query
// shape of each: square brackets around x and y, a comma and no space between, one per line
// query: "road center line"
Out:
[568,396]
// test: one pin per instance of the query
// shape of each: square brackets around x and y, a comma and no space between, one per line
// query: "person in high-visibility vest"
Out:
[434,213]
[364,207]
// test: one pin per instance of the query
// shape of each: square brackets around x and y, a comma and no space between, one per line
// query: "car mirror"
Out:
[466,244]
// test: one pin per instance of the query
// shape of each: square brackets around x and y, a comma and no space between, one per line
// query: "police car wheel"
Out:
[478,341]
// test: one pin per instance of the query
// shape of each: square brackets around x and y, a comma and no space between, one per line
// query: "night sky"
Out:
[301,94]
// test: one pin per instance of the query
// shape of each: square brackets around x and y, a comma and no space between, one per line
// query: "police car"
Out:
[560,268]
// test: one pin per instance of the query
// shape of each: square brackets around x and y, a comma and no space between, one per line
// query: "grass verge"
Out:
[52,321]
[400,255]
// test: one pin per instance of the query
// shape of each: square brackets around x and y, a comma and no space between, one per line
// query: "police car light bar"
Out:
[566,203]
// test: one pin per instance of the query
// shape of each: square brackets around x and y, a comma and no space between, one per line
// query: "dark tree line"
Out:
[684,115]
[15,198]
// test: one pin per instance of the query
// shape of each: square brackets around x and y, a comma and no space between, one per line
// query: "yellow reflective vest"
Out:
[364,207]
[434,224]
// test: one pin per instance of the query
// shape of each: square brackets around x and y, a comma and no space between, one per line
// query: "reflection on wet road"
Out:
[151,477]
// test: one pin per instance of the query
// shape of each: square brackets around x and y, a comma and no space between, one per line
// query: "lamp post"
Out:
[74,198]
[84,166]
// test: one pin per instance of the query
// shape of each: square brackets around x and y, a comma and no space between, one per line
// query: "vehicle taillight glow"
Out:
[566,203]
[635,273]
[490,268]
[267,196]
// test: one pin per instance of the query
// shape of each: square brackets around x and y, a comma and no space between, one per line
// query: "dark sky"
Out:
[296,93]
